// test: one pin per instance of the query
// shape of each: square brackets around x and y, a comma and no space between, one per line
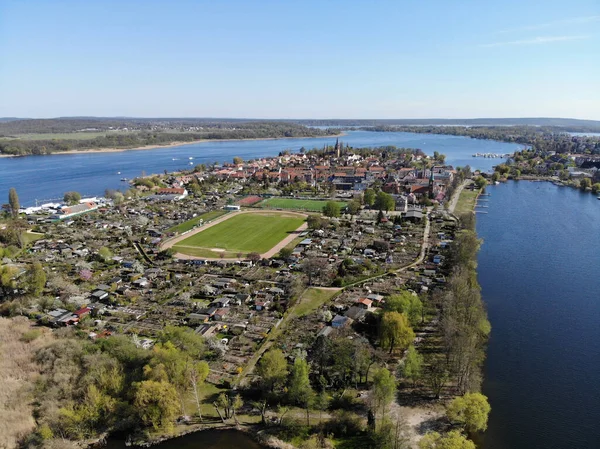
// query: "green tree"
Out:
[285,253]
[369,197]
[35,278]
[585,183]
[331,209]
[238,160]
[156,403]
[13,202]
[299,389]
[407,303]
[385,202]
[383,390]
[452,440]
[72,198]
[353,207]
[496,177]
[105,253]
[470,410]
[480,182]
[395,331]
[596,188]
[412,367]
[272,368]
[197,372]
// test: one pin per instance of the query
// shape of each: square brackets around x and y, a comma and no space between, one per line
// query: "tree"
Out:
[13,202]
[471,411]
[380,216]
[412,368]
[156,403]
[35,278]
[383,390]
[596,188]
[353,207]
[105,253]
[314,267]
[72,198]
[369,197]
[272,368]
[395,331]
[452,440]
[480,182]
[331,209]
[585,183]
[299,389]
[384,201]
[238,160]
[314,222]
[285,253]
[254,257]
[197,373]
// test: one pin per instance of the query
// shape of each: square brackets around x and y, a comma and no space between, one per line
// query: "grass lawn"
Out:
[243,233]
[312,299]
[30,237]
[466,201]
[187,225]
[293,204]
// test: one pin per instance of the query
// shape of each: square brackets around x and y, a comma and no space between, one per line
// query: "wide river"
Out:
[539,269]
[48,177]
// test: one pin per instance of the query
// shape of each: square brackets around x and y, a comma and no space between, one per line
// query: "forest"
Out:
[540,138]
[138,134]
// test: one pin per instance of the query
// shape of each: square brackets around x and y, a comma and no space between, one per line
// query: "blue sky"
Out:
[300,59]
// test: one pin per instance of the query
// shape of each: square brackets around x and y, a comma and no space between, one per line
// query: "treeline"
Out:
[540,138]
[253,130]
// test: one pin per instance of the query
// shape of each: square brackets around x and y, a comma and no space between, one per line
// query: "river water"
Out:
[539,269]
[48,177]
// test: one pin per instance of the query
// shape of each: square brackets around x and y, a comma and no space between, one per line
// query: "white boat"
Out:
[190,157]
[118,173]
[174,159]
[191,163]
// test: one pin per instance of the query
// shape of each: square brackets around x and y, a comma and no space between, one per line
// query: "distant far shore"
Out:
[168,145]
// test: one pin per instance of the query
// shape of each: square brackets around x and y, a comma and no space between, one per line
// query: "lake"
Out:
[208,439]
[539,269]
[47,178]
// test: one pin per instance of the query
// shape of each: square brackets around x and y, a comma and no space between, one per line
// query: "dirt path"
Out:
[456,196]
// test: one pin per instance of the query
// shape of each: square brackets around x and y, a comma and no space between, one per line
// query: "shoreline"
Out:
[168,145]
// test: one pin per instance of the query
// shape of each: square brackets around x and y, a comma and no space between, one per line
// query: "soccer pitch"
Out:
[241,233]
[296,204]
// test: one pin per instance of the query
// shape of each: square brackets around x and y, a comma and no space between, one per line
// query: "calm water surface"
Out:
[209,439]
[539,269]
[49,177]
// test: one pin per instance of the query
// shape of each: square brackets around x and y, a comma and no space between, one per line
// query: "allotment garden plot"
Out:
[296,204]
[240,234]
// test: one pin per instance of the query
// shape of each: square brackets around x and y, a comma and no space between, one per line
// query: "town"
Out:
[342,267]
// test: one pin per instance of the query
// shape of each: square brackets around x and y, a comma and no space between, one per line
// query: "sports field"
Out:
[294,204]
[243,233]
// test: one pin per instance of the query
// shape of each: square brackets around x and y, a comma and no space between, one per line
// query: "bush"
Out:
[344,424]
[31,335]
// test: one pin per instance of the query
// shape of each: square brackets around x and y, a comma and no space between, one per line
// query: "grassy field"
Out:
[65,136]
[244,233]
[312,299]
[466,202]
[187,225]
[293,204]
